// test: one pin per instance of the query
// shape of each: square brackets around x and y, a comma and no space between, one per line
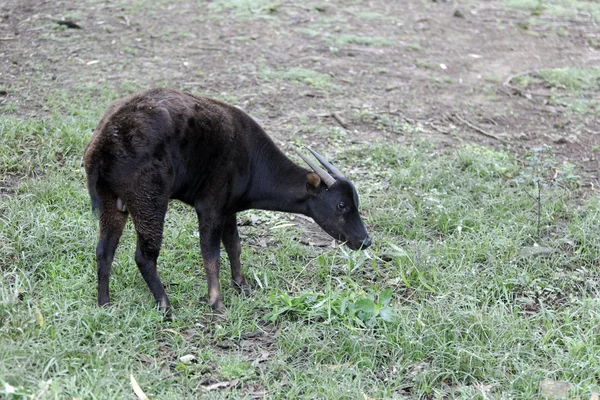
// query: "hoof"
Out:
[164,305]
[219,307]
[167,314]
[103,300]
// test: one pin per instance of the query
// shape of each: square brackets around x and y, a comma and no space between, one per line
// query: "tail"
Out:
[92,182]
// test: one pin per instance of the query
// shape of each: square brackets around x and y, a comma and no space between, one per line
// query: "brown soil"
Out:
[437,74]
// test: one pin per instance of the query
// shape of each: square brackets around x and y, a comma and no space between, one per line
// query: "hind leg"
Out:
[231,242]
[112,222]
[211,230]
[148,219]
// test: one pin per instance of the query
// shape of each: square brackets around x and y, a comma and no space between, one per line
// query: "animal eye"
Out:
[341,206]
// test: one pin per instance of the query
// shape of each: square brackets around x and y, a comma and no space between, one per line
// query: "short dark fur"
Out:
[163,144]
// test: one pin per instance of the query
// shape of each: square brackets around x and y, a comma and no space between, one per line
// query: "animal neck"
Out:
[278,184]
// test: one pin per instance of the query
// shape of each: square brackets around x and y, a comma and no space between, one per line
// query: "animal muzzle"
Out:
[360,245]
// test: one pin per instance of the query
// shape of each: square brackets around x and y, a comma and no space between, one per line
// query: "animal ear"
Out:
[313,181]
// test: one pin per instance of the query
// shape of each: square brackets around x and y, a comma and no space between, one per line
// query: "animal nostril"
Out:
[366,243]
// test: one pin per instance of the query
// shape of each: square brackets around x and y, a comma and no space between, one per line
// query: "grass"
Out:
[246,8]
[563,8]
[572,79]
[375,41]
[459,297]
[347,38]
[573,88]
[300,75]
[445,303]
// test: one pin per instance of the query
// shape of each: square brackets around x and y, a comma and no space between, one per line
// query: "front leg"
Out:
[211,230]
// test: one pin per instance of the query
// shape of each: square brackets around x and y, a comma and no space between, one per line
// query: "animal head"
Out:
[333,203]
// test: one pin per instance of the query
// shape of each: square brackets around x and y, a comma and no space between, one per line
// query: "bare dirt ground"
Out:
[439,70]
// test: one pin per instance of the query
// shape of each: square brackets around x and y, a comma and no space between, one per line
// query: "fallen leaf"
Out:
[555,389]
[187,359]
[594,396]
[217,385]
[137,389]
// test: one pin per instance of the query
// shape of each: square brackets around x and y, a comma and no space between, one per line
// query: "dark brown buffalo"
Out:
[162,144]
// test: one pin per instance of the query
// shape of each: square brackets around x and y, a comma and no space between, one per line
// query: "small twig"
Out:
[439,128]
[478,129]
[126,20]
[7,38]
[492,121]
[339,120]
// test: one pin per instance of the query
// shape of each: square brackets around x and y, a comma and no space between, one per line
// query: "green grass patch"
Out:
[311,32]
[576,89]
[246,8]
[572,79]
[414,47]
[563,8]
[459,290]
[375,41]
[300,75]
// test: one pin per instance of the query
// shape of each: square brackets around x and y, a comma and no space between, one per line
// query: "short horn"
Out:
[324,175]
[333,170]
